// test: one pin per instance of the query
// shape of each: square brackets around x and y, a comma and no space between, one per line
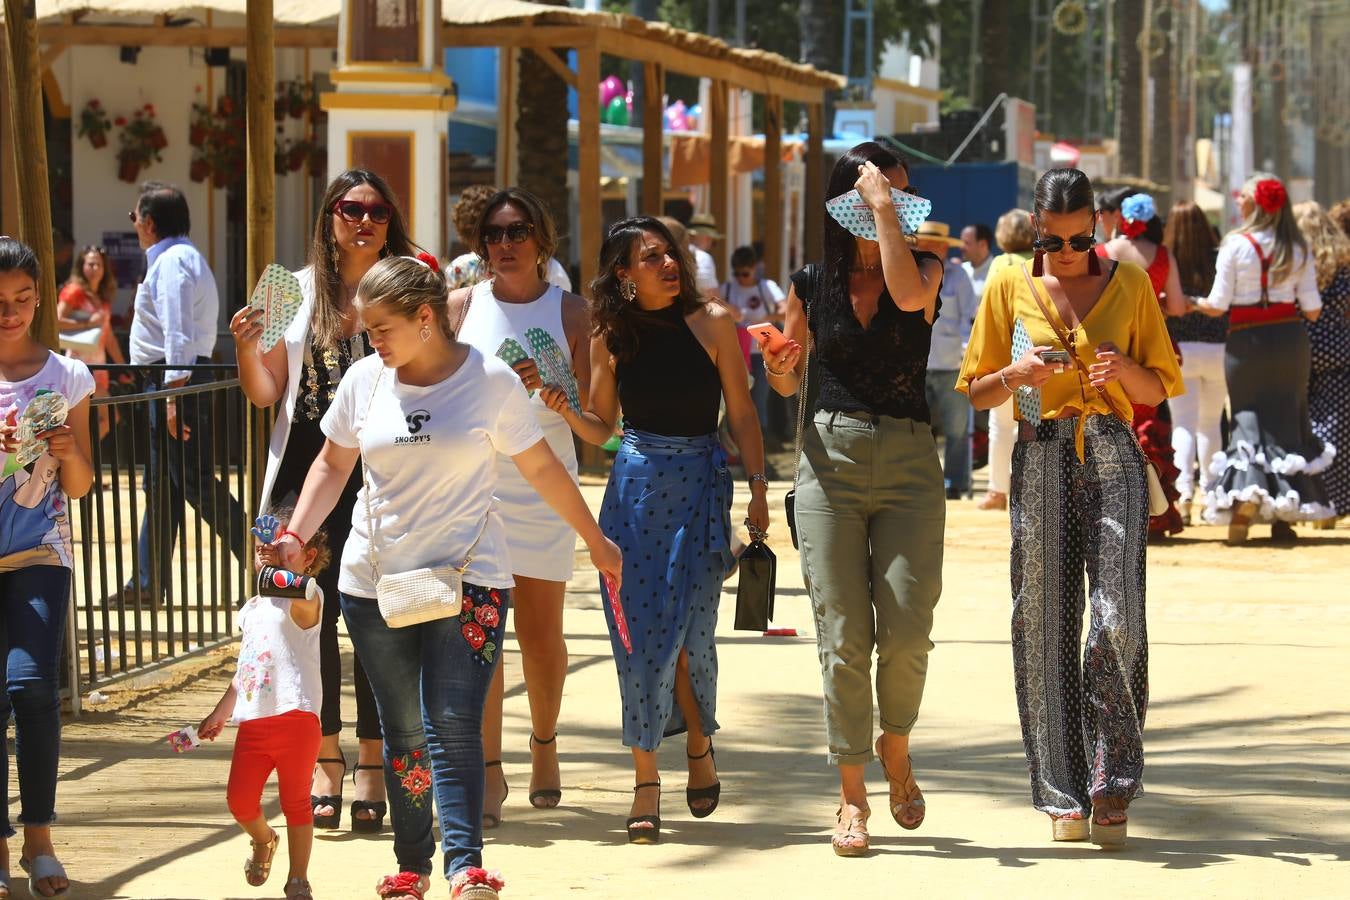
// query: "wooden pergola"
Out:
[526,27]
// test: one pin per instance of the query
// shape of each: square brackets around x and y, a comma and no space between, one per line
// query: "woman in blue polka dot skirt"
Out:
[667,358]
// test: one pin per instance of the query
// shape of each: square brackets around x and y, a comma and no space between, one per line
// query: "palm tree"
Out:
[1129,118]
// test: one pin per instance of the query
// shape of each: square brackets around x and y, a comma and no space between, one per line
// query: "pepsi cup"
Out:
[274,582]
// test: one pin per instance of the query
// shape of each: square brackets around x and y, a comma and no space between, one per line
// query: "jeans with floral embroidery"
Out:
[430,683]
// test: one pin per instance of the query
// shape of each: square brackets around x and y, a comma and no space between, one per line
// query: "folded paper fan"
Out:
[48,410]
[553,366]
[1028,399]
[278,296]
[852,212]
[510,352]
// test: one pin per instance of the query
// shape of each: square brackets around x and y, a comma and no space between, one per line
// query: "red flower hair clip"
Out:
[1270,194]
[429,260]
[1133,228]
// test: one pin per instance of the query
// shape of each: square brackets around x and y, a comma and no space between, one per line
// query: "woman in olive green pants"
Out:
[870,507]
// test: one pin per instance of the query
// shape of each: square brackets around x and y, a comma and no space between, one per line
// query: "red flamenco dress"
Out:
[1154,430]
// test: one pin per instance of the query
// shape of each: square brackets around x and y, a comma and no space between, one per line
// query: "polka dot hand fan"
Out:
[852,212]
[47,410]
[1028,399]
[553,367]
[510,352]
[278,296]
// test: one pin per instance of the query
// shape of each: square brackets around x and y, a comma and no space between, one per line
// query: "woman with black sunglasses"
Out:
[543,332]
[1076,342]
[359,223]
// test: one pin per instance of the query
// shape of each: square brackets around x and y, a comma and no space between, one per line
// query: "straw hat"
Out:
[704,225]
[937,231]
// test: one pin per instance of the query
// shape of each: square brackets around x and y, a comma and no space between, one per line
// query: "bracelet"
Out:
[285,531]
[1003,379]
[779,374]
[759,476]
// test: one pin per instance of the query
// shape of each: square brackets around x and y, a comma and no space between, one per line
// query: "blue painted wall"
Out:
[970,193]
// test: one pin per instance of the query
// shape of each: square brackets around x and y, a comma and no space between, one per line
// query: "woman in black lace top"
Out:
[870,509]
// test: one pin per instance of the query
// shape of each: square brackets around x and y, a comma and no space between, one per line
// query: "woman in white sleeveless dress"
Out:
[544,333]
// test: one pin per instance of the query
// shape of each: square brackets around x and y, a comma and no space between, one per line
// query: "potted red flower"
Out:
[141,140]
[94,124]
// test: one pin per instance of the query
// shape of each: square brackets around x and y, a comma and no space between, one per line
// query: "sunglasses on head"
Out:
[354,211]
[516,233]
[1079,243]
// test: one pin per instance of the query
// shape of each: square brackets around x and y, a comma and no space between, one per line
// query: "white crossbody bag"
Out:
[418,595]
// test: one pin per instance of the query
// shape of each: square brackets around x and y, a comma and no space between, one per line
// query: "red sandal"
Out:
[475,884]
[402,886]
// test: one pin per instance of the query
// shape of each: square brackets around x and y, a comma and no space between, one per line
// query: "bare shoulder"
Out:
[574,306]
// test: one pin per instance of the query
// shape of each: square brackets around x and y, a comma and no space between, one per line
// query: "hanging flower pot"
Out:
[128,169]
[157,139]
[297,155]
[94,124]
[220,178]
[199,169]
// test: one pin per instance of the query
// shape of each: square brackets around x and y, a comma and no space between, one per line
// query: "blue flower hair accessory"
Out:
[1138,208]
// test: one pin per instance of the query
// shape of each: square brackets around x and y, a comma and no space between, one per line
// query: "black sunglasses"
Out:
[354,211]
[131,216]
[1079,243]
[516,233]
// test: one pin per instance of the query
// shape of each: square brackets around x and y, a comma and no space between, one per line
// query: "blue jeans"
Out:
[951,417]
[191,479]
[33,606]
[430,682]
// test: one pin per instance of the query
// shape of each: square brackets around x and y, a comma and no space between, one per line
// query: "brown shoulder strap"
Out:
[1064,339]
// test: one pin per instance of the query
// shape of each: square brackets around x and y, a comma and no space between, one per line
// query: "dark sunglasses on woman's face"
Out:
[1079,243]
[516,232]
[354,211]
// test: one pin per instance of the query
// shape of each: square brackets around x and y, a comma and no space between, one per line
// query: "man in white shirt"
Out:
[703,233]
[977,245]
[949,408]
[174,326]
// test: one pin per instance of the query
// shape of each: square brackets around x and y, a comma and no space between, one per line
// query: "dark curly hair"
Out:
[612,317]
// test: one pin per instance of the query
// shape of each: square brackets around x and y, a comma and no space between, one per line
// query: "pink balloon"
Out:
[610,88]
[676,119]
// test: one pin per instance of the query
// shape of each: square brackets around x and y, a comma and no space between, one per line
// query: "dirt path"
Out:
[1247,745]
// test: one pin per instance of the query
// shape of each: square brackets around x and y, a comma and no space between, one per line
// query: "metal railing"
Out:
[161,539]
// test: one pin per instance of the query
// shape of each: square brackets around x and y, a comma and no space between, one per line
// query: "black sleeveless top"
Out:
[878,370]
[671,385]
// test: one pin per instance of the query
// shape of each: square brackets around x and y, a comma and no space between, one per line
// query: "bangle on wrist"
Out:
[772,372]
[1003,380]
[759,476]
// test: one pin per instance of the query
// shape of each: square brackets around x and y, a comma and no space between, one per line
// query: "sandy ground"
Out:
[1248,744]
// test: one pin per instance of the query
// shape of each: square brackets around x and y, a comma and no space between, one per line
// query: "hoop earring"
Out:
[628,290]
[425,333]
[1094,262]
[1038,264]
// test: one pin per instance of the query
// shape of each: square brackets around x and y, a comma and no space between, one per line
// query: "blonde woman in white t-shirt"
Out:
[427,417]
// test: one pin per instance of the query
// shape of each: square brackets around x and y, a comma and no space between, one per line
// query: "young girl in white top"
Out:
[275,698]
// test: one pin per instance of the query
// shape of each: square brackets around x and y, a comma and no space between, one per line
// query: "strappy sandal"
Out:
[646,829]
[362,824]
[402,886]
[1108,833]
[850,836]
[545,798]
[476,884]
[256,871]
[904,803]
[298,889]
[1069,827]
[332,821]
[491,821]
[712,792]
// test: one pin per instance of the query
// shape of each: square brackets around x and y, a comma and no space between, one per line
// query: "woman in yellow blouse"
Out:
[1079,502]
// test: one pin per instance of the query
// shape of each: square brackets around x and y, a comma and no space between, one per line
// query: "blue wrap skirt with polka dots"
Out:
[668,507]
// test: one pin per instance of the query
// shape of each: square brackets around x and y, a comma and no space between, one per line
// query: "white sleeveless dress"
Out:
[541,544]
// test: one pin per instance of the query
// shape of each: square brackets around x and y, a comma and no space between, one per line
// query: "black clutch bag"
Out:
[754,593]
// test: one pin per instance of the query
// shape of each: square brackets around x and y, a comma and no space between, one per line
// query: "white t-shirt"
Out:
[430,457]
[34,511]
[755,302]
[705,271]
[278,669]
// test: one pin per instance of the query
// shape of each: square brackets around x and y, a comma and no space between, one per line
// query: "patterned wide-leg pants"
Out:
[1082,723]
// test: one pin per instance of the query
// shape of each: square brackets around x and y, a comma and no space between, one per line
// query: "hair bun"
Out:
[428,260]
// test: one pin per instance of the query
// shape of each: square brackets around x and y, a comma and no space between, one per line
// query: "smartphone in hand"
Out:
[769,337]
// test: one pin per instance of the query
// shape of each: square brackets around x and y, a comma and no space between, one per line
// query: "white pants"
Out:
[1002,438]
[1196,414]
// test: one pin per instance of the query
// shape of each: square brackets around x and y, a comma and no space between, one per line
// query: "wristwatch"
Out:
[759,476]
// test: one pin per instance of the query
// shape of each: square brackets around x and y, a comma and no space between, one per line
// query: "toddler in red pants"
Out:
[275,698]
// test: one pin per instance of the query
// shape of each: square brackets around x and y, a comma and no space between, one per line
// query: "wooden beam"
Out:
[9,182]
[508,78]
[720,170]
[49,55]
[315,37]
[559,67]
[24,85]
[653,138]
[773,188]
[573,36]
[813,228]
[588,169]
[261,127]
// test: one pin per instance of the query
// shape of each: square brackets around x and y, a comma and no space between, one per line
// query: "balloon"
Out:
[676,116]
[610,88]
[695,115]
[616,113]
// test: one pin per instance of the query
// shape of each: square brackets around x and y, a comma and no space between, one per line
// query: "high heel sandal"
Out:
[1240,523]
[545,798]
[909,802]
[650,832]
[850,836]
[256,871]
[334,800]
[1109,835]
[380,808]
[1069,827]
[489,820]
[712,792]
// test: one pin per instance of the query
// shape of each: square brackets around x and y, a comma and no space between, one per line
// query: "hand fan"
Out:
[620,620]
[47,411]
[278,296]
[553,367]
[852,212]
[1028,399]
[510,352]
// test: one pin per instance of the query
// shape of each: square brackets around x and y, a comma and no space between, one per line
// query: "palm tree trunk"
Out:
[541,127]
[1129,121]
